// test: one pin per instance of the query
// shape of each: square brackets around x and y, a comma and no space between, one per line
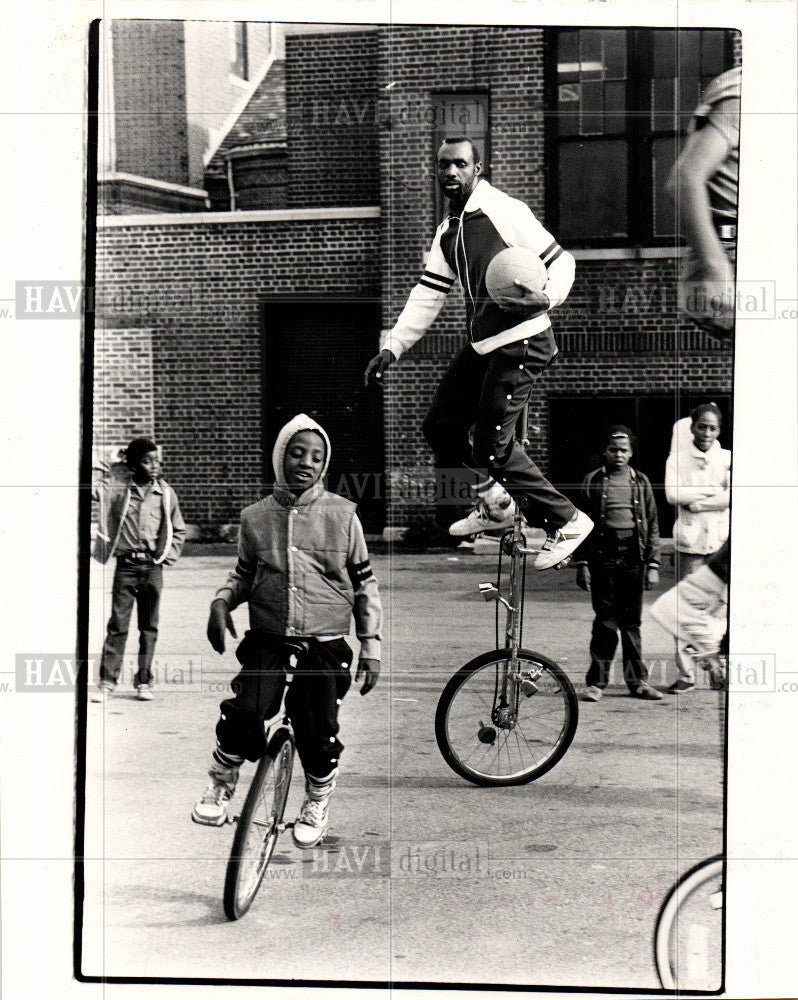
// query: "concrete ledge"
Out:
[236,218]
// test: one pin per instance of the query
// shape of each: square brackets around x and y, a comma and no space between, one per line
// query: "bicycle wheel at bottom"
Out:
[478,746]
[688,939]
[258,826]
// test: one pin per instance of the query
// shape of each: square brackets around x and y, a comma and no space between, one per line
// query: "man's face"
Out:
[618,452]
[148,468]
[457,170]
[705,431]
[304,460]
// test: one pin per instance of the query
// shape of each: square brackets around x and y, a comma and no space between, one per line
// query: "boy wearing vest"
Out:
[304,570]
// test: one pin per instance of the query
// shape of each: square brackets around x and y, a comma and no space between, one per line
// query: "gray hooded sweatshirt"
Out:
[303,565]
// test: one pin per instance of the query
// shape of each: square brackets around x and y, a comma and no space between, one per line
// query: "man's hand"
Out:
[377,367]
[651,578]
[369,670]
[530,301]
[219,622]
[583,578]
[706,294]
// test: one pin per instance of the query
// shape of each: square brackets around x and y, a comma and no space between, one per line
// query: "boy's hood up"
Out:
[301,422]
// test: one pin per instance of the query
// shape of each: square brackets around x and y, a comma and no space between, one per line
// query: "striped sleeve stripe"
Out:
[438,282]
[551,253]
[436,288]
[358,567]
[439,277]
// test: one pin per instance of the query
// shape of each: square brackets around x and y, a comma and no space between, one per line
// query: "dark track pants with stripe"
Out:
[489,392]
[315,692]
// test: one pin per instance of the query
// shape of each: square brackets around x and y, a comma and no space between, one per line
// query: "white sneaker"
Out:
[562,543]
[484,517]
[144,692]
[311,823]
[102,693]
[211,809]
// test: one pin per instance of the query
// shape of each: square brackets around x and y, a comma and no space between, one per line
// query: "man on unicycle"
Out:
[489,382]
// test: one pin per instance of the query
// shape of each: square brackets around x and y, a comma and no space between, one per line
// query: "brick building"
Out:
[226,323]
[169,93]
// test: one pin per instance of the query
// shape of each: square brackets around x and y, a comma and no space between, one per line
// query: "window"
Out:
[620,101]
[239,56]
[459,114]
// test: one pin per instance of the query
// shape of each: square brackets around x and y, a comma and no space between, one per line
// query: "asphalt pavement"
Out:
[424,878]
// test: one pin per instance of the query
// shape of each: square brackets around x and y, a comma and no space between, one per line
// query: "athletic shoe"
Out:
[592,693]
[311,823]
[144,692]
[484,518]
[564,541]
[211,809]
[102,694]
[646,693]
[681,685]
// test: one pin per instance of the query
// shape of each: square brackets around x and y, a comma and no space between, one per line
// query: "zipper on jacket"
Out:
[466,284]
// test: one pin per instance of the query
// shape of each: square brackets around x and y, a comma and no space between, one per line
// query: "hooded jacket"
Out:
[303,565]
[700,479]
[463,247]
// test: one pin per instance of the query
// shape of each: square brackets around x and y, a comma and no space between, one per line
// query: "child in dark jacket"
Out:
[304,570]
[617,561]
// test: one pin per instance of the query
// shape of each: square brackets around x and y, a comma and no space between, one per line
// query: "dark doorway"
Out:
[579,428]
[314,354]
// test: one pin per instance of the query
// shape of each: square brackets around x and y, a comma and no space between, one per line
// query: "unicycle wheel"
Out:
[488,745]
[259,825]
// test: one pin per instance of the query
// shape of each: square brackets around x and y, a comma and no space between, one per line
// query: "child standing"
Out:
[617,561]
[698,484]
[304,569]
[140,523]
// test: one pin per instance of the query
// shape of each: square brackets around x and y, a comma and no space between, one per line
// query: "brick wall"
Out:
[150,99]
[194,290]
[123,386]
[630,301]
[330,96]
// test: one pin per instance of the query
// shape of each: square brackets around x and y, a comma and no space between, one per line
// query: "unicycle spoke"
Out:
[515,744]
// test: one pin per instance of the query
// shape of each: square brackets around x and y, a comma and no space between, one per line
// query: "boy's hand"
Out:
[652,577]
[583,578]
[219,622]
[377,367]
[369,670]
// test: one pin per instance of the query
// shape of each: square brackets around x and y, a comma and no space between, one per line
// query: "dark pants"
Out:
[616,590]
[489,392]
[315,691]
[139,583]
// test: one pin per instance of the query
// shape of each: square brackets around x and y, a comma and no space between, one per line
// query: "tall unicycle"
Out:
[509,715]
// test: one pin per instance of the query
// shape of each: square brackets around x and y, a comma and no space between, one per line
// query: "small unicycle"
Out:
[509,715]
[688,936]
[260,822]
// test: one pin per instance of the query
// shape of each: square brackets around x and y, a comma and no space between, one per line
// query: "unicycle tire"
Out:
[258,825]
[484,752]
[688,935]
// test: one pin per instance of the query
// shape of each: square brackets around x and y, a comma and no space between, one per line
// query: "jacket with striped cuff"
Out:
[462,249]
[304,569]
[644,512]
